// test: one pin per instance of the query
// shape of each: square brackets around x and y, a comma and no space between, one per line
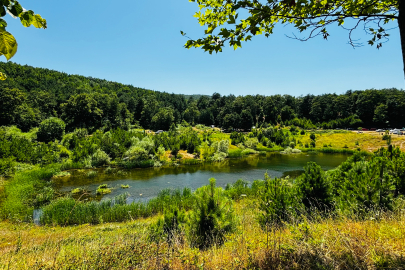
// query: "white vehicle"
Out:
[394,131]
[380,130]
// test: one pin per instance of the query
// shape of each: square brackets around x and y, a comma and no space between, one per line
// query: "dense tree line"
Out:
[31,95]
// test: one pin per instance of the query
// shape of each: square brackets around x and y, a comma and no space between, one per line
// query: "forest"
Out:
[32,95]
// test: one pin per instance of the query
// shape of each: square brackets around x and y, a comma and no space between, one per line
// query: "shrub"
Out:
[51,129]
[169,227]
[251,143]
[100,158]
[278,202]
[367,186]
[292,144]
[7,166]
[313,187]
[212,218]
[236,190]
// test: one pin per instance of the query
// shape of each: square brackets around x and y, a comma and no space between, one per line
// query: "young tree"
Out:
[245,19]
[314,188]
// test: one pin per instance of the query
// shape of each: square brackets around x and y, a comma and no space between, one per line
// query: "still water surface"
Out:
[146,183]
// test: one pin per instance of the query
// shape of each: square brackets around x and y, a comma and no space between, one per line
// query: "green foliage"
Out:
[103,189]
[367,186]
[223,26]
[238,190]
[169,227]
[314,188]
[7,166]
[26,191]
[278,202]
[212,217]
[237,138]
[51,129]
[163,118]
[8,44]
[67,211]
[100,158]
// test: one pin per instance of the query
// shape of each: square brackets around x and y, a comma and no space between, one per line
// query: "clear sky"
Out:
[138,42]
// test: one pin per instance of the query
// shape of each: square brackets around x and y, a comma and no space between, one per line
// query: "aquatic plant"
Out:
[103,189]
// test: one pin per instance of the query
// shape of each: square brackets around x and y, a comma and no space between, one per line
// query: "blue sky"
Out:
[138,42]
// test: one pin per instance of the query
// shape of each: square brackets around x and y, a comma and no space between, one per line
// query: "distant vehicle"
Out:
[394,131]
[372,129]
[364,129]
[159,131]
[380,130]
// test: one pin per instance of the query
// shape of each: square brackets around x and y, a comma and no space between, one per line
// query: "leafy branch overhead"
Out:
[8,44]
[234,21]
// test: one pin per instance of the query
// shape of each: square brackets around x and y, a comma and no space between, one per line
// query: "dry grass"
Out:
[368,141]
[324,244]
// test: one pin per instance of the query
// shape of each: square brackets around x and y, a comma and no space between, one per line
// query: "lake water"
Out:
[146,183]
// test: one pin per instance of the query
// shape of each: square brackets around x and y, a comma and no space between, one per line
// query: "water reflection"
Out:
[146,183]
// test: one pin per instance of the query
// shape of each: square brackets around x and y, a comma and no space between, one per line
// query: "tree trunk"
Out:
[401,24]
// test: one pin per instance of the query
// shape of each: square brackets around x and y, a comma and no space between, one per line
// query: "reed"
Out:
[27,190]
[67,211]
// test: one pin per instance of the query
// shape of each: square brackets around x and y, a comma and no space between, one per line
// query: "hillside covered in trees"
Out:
[31,95]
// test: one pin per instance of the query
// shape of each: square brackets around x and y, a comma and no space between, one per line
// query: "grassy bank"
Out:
[315,243]
[27,190]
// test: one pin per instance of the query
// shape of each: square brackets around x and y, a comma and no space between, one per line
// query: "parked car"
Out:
[380,130]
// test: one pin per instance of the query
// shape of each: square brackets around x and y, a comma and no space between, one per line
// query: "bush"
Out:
[236,190]
[313,187]
[7,166]
[251,143]
[51,129]
[367,186]
[278,202]
[100,158]
[169,227]
[212,218]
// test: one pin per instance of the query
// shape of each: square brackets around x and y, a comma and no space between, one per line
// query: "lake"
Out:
[146,183]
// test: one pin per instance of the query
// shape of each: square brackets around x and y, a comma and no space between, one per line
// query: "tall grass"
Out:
[26,191]
[67,211]
[318,242]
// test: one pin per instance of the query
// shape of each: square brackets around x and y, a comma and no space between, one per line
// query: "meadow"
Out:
[317,242]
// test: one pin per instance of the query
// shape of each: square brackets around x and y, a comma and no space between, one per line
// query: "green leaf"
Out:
[231,19]
[3,76]
[16,9]
[3,24]
[26,18]
[8,44]
[2,11]
[39,22]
